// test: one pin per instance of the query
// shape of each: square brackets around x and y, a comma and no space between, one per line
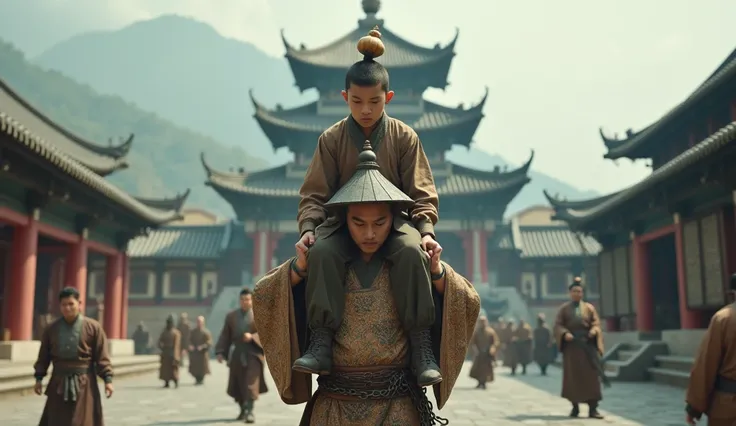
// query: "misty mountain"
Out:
[188,73]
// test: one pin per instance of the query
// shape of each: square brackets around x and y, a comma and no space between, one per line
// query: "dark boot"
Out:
[575,410]
[423,365]
[513,371]
[317,359]
[166,384]
[176,384]
[593,411]
[249,417]
[241,416]
[523,370]
[544,370]
[482,385]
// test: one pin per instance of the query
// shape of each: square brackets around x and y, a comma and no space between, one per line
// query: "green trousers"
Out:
[411,284]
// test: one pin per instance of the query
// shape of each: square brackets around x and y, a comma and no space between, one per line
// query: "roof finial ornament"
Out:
[371,7]
[367,158]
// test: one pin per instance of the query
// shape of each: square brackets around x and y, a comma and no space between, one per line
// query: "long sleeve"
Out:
[705,369]
[279,308]
[101,357]
[207,340]
[595,327]
[320,184]
[560,328]
[41,367]
[457,314]
[418,183]
[225,339]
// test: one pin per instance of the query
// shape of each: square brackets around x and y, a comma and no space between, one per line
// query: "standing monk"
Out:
[170,345]
[246,381]
[543,344]
[404,164]
[200,342]
[372,381]
[509,349]
[712,387]
[579,338]
[141,340]
[523,345]
[485,342]
[185,329]
[77,348]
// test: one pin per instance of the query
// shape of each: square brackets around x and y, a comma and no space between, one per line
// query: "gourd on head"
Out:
[371,46]
[368,72]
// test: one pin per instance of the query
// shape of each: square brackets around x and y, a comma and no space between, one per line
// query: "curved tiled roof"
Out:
[275,183]
[583,211]
[618,148]
[342,52]
[182,242]
[554,241]
[47,149]
[100,159]
[306,119]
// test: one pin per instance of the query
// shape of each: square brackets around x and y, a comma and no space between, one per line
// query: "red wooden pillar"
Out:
[642,286]
[468,249]
[23,287]
[113,296]
[76,270]
[126,302]
[611,324]
[689,319]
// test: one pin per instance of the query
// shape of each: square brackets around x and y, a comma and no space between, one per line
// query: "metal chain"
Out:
[382,385]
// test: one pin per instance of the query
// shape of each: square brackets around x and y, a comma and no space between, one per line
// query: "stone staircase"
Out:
[16,378]
[673,370]
[628,362]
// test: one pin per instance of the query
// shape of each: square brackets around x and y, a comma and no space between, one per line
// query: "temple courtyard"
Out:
[521,400]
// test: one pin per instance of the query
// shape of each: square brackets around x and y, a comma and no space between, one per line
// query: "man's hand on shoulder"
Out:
[431,246]
[306,241]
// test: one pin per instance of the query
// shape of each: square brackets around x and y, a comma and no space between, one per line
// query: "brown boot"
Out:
[423,364]
[593,411]
[317,359]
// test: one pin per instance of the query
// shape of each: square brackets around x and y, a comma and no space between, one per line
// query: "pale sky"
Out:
[556,69]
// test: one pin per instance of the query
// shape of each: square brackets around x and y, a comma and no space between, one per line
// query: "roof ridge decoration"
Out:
[590,209]
[100,159]
[618,148]
[175,203]
[63,162]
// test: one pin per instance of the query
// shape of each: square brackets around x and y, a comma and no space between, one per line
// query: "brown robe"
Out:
[485,342]
[580,381]
[246,380]
[141,341]
[543,344]
[522,345]
[507,343]
[170,344]
[73,374]
[402,161]
[199,357]
[370,335]
[716,357]
[185,329]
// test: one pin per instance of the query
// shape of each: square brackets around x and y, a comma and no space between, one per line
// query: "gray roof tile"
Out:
[182,242]
[554,241]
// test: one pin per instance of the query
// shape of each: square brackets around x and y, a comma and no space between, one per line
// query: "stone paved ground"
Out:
[526,400]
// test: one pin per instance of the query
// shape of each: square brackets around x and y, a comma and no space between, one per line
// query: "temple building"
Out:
[57,210]
[472,202]
[182,267]
[669,242]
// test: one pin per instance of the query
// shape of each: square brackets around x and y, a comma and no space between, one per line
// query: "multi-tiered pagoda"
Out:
[472,202]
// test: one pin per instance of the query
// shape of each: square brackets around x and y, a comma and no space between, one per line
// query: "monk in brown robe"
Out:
[185,329]
[579,339]
[246,381]
[141,340]
[372,382]
[200,342]
[522,343]
[509,350]
[404,163]
[485,342]
[543,345]
[712,387]
[170,345]
[77,348]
